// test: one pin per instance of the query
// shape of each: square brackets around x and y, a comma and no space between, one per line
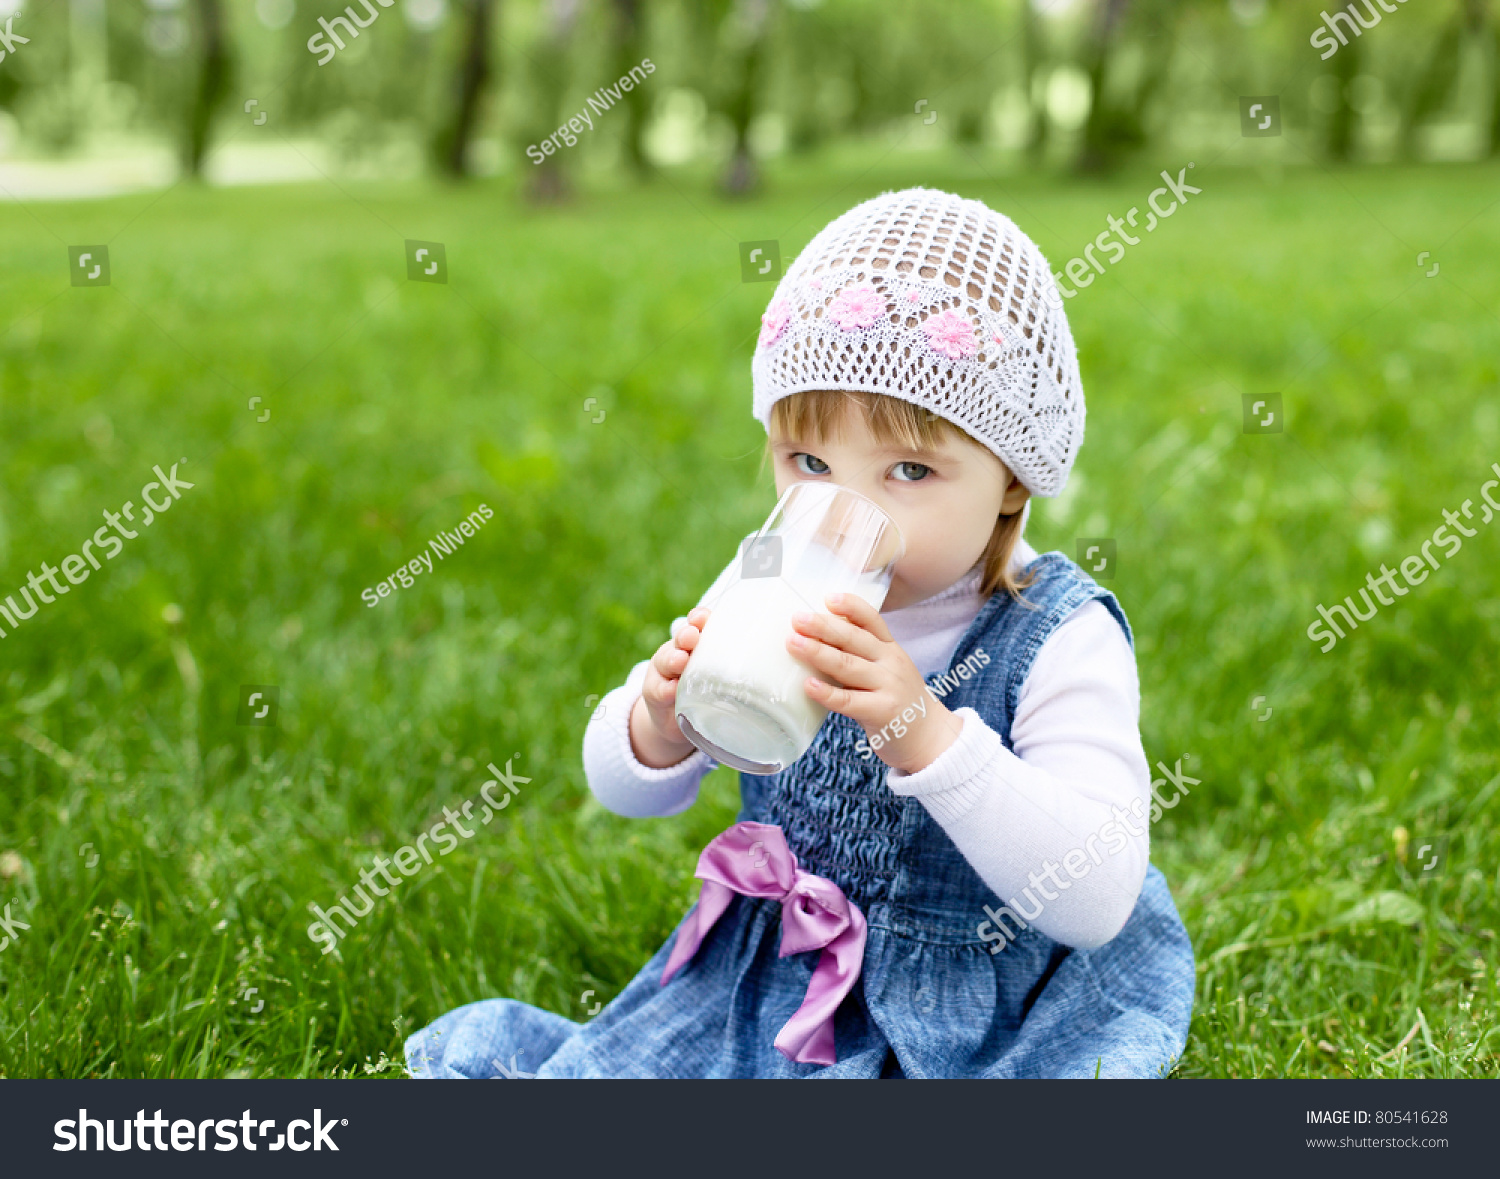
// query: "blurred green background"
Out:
[585,373]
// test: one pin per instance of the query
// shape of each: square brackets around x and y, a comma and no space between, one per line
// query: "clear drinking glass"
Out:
[741,697]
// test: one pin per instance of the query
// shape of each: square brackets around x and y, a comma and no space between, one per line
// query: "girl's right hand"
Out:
[655,736]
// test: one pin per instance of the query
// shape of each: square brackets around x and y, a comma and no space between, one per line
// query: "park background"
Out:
[585,372]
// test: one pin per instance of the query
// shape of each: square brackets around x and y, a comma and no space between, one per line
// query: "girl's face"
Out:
[945,501]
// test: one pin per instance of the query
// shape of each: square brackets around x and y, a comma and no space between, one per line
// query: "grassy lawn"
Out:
[165,856]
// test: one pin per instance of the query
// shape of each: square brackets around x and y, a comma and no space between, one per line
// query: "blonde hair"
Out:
[819,414]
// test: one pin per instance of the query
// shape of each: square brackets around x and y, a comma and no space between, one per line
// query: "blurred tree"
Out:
[1119,104]
[34,79]
[814,73]
[450,145]
[865,82]
[1035,66]
[1343,122]
[1158,31]
[1439,76]
[1098,131]
[629,46]
[955,55]
[746,28]
[210,85]
[1494,84]
[548,76]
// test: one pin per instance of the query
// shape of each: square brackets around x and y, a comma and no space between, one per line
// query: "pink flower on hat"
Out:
[951,334]
[857,307]
[773,322]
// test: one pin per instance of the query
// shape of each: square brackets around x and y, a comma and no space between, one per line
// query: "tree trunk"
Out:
[1495,88]
[1433,86]
[548,62]
[213,80]
[474,72]
[629,43]
[1098,145]
[1161,33]
[743,176]
[1033,75]
[1343,126]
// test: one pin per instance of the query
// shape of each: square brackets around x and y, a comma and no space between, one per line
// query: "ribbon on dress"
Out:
[753,860]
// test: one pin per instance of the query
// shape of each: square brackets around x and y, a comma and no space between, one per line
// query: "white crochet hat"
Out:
[939,301]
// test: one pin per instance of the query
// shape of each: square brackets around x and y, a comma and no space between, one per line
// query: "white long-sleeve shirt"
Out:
[1077,770]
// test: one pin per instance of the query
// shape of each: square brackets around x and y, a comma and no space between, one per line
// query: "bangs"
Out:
[817,414]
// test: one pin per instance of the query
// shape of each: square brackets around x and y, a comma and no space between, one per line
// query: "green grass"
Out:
[397,407]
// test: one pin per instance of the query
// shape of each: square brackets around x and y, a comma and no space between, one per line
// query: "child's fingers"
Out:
[838,632]
[664,692]
[658,691]
[687,637]
[834,698]
[669,660]
[691,631]
[861,613]
[853,671]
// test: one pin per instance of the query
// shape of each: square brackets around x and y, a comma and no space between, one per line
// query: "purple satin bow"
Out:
[753,859]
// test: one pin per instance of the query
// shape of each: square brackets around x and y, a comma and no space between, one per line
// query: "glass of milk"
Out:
[741,697]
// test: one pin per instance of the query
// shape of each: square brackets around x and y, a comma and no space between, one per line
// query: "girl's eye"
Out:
[922,471]
[811,458]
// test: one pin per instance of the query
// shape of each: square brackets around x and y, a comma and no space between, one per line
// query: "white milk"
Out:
[742,689]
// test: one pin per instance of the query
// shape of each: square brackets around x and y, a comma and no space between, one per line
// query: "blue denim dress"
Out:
[932,1000]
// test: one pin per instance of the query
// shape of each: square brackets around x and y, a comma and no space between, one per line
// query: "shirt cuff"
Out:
[954,782]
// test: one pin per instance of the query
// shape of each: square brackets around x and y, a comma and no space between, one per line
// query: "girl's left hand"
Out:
[876,683]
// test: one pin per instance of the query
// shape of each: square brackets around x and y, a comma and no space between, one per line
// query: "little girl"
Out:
[953,880]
